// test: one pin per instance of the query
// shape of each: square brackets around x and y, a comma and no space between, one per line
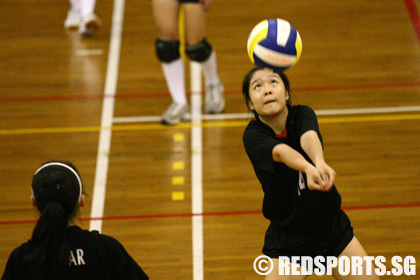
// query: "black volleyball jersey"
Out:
[93,256]
[288,203]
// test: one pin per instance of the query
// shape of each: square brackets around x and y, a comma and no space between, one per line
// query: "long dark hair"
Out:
[57,189]
[247,80]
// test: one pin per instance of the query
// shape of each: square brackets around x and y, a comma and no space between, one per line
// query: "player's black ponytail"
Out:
[57,190]
[49,250]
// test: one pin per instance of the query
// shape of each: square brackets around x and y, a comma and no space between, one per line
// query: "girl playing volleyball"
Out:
[284,145]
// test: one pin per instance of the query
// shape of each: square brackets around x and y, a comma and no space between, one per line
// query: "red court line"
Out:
[231,213]
[163,94]
[414,16]
[81,97]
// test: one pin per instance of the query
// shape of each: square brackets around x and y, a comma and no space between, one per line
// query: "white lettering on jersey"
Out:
[301,182]
[72,259]
[79,260]
[80,254]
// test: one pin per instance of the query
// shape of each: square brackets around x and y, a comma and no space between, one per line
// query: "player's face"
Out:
[267,93]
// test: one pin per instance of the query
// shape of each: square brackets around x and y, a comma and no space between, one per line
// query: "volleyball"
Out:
[274,43]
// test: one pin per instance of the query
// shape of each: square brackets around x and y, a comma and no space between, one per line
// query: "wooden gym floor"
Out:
[361,55]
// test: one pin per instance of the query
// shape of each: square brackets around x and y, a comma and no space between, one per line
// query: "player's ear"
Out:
[250,105]
[82,201]
[287,95]
[33,201]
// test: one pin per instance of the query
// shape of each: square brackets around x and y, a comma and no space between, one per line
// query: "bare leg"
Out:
[166,17]
[355,249]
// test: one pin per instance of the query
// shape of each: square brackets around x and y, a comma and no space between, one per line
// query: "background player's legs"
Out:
[355,249]
[73,15]
[89,21]
[167,48]
[198,49]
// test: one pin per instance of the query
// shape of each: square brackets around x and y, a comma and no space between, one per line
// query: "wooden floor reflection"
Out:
[356,55]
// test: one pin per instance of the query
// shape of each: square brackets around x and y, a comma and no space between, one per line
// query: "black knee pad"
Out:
[167,51]
[199,52]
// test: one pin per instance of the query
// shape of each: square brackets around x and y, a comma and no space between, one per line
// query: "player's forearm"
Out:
[311,145]
[290,157]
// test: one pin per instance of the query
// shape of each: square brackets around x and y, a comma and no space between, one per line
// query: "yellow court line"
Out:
[178,196]
[211,124]
[181,31]
[178,165]
[378,118]
[179,137]
[178,180]
[51,130]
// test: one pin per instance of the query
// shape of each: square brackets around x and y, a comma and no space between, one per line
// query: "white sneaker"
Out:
[89,25]
[72,20]
[176,113]
[215,103]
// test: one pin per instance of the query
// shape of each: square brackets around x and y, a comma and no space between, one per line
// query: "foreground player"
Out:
[284,145]
[197,49]
[59,249]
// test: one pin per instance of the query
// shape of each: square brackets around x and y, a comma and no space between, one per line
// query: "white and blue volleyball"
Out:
[274,43]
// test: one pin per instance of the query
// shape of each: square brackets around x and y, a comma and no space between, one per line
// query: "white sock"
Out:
[210,70]
[75,5]
[87,7]
[175,79]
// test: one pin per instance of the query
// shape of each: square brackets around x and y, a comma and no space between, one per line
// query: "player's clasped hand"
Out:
[320,177]
[314,179]
[327,174]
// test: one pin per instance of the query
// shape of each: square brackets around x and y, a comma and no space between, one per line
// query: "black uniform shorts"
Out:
[329,239]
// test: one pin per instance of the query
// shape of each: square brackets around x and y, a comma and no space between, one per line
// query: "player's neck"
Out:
[277,123]
[75,222]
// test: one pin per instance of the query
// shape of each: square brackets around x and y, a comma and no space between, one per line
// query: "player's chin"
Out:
[270,112]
